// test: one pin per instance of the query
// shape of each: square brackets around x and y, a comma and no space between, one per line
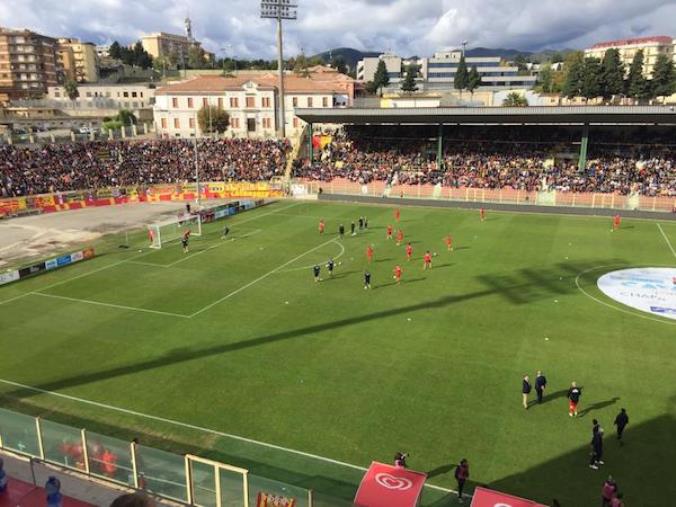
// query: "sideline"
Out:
[673,252]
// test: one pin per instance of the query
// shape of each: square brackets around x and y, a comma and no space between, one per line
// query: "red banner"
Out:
[389,486]
[488,498]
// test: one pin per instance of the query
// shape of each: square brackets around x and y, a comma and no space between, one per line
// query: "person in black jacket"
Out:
[525,391]
[621,422]
[540,385]
[597,450]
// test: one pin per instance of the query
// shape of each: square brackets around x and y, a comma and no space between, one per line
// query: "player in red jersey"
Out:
[321,226]
[449,242]
[400,237]
[617,221]
[427,260]
[388,233]
[397,274]
[369,253]
[409,251]
[151,236]
[482,214]
[397,214]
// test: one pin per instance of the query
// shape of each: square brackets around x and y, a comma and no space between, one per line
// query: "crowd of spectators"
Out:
[28,170]
[492,164]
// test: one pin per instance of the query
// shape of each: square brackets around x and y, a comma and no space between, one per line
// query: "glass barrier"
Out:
[62,444]
[161,472]
[232,488]
[203,484]
[19,433]
[110,458]
[261,489]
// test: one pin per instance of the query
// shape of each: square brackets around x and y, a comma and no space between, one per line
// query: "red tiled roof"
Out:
[659,39]
[218,84]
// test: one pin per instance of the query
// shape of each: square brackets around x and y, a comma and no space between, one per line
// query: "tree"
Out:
[515,99]
[115,50]
[381,78]
[637,86]
[545,80]
[371,87]
[196,57]
[301,66]
[461,75]
[664,77]
[591,86]
[520,61]
[339,64]
[612,74]
[408,85]
[70,88]
[213,119]
[473,80]
[572,85]
[126,117]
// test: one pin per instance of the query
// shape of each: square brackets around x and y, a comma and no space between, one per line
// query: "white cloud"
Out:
[405,26]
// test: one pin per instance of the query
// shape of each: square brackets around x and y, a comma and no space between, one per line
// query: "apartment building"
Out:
[438,72]
[28,64]
[79,60]
[251,102]
[117,96]
[652,47]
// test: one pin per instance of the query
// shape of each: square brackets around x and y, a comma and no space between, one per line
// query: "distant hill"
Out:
[350,56]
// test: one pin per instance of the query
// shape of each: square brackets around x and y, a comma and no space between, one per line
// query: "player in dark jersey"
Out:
[226,231]
[352,227]
[574,394]
[330,265]
[366,223]
[341,230]
[361,223]
[184,241]
[316,270]
[367,280]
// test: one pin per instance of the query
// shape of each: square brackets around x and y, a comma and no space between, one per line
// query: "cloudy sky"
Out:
[405,26]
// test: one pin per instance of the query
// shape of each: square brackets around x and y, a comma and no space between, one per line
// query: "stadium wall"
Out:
[63,201]
[506,198]
[47,265]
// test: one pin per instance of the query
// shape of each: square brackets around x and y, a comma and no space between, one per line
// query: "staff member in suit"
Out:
[540,385]
[525,390]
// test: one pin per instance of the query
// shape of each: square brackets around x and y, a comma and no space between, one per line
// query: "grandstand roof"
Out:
[612,115]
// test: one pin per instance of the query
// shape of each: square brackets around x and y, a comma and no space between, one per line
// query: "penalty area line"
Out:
[182,424]
[110,305]
[673,252]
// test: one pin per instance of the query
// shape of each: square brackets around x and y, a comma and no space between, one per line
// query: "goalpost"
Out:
[172,229]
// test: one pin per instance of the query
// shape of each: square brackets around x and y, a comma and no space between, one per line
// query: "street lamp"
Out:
[279,10]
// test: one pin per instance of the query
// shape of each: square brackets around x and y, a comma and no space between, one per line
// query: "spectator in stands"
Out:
[53,490]
[109,463]
[3,477]
[400,459]
[133,500]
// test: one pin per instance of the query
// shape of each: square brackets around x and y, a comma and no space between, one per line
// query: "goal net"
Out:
[160,233]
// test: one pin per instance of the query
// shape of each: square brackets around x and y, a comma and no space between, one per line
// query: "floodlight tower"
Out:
[279,10]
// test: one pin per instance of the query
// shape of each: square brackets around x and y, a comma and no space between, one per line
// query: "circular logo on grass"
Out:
[651,290]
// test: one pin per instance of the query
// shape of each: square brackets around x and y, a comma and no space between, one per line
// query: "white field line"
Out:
[181,424]
[262,277]
[255,231]
[15,298]
[273,212]
[303,268]
[673,252]
[577,283]
[110,305]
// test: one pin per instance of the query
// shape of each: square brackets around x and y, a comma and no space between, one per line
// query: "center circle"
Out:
[650,290]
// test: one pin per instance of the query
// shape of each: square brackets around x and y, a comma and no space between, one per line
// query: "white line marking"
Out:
[342,252]
[200,428]
[577,283]
[240,222]
[673,252]
[262,277]
[110,305]
[15,298]
[102,268]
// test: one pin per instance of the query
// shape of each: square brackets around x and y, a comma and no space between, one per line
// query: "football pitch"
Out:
[236,339]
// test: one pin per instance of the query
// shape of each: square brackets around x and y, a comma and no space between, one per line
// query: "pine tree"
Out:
[664,77]
[612,74]
[461,75]
[637,85]
[591,86]
[408,85]
[545,77]
[381,78]
[515,99]
[473,80]
[114,50]
[572,86]
[70,87]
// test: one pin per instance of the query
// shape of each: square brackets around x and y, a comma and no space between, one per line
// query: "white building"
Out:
[250,101]
[119,96]
[438,72]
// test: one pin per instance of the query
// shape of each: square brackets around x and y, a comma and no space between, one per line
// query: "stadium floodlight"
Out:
[279,10]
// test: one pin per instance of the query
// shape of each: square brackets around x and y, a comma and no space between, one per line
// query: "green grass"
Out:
[432,366]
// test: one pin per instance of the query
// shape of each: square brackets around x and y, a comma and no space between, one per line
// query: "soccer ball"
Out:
[434,254]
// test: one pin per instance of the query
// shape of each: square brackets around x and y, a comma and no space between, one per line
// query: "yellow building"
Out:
[166,44]
[651,46]
[79,60]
